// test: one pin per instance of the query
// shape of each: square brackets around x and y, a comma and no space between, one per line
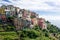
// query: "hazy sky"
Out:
[48,9]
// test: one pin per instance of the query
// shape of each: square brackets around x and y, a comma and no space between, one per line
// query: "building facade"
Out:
[34,21]
[22,18]
[41,23]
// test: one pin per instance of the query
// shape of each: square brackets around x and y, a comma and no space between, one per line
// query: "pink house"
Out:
[41,23]
[25,13]
[3,17]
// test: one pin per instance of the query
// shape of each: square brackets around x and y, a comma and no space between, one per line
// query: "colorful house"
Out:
[7,11]
[41,23]
[21,23]
[34,21]
[22,17]
[2,11]
[34,15]
[20,14]
[2,14]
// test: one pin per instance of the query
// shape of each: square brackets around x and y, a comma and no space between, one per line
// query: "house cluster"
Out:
[21,18]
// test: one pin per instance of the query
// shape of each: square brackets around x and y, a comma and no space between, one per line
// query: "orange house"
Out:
[34,21]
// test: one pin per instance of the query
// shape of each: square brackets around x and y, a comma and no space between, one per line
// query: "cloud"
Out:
[50,17]
[32,4]
[53,19]
[5,2]
[56,22]
[46,5]
[36,4]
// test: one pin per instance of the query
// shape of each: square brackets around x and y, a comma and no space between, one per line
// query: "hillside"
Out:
[51,33]
[21,24]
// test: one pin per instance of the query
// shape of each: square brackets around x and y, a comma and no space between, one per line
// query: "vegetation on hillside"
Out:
[51,33]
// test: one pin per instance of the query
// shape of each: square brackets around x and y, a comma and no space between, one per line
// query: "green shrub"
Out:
[46,34]
[8,38]
[30,33]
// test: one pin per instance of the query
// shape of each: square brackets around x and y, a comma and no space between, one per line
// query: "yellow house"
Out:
[34,21]
[2,11]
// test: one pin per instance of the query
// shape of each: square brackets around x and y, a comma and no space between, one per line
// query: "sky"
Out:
[48,9]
